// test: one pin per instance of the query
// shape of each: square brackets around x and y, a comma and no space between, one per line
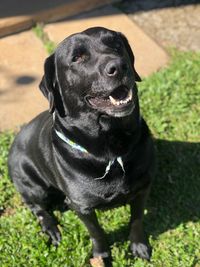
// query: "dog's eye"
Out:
[79,58]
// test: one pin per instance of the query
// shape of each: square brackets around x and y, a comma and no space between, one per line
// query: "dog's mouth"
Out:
[119,103]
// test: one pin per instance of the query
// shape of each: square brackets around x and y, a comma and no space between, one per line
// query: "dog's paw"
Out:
[50,228]
[55,236]
[141,250]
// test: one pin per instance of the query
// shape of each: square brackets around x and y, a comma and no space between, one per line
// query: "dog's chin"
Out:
[119,103]
[118,113]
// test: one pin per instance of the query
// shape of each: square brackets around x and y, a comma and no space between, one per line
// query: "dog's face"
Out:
[92,70]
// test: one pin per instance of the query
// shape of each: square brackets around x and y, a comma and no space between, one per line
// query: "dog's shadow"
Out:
[175,194]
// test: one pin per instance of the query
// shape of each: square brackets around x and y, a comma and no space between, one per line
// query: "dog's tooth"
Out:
[130,94]
[112,100]
[121,102]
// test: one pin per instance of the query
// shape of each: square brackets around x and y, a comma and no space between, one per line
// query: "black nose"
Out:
[115,67]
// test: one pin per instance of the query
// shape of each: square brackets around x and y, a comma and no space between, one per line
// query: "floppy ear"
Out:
[132,58]
[49,87]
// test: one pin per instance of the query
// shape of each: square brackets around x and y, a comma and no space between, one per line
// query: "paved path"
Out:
[21,67]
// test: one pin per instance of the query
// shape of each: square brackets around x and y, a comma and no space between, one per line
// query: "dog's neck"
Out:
[105,137]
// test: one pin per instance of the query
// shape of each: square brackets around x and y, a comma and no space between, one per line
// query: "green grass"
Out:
[43,36]
[170,102]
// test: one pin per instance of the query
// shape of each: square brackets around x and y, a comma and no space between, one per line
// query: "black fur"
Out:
[50,174]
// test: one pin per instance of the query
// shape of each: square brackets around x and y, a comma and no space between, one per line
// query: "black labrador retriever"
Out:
[93,150]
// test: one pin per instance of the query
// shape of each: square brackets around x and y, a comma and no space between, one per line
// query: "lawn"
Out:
[170,103]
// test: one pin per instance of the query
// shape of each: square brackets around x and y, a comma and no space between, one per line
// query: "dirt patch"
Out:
[7,212]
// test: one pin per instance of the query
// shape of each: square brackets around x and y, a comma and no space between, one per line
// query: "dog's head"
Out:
[92,70]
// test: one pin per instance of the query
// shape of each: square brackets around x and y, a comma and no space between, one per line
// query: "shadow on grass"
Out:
[175,194]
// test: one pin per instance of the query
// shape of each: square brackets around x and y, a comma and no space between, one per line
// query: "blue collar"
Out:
[70,142]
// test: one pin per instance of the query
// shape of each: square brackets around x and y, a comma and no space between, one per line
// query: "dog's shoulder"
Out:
[29,136]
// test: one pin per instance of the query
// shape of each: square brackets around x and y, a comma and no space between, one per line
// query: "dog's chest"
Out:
[113,188]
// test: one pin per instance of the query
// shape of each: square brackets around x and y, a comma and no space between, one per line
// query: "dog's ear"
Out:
[49,87]
[132,58]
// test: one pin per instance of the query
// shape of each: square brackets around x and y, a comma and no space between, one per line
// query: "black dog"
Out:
[94,150]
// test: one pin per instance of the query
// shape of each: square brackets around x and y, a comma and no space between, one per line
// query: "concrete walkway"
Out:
[22,57]
[21,67]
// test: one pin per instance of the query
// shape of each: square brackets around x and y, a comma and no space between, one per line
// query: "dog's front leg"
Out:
[100,246]
[139,243]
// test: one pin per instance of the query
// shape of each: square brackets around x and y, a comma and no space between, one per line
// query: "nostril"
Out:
[112,70]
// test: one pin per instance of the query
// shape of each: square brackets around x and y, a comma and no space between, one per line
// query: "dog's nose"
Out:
[115,67]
